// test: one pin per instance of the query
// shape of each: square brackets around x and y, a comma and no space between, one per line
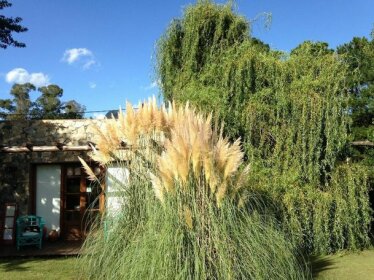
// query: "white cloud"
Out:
[21,76]
[99,116]
[83,56]
[92,85]
[88,64]
[72,55]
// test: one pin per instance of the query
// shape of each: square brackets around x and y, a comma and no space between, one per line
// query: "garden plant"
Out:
[187,210]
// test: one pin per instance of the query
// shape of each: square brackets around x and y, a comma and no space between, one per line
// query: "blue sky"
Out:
[102,52]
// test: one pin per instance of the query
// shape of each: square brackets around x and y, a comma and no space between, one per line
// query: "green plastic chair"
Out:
[29,231]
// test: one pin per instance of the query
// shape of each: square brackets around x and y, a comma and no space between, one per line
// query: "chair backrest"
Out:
[29,222]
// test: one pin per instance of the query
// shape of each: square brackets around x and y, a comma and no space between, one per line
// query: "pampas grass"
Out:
[187,211]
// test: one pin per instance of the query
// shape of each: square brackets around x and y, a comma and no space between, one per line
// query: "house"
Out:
[40,171]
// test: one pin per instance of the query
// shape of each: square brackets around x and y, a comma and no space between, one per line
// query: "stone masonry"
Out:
[15,167]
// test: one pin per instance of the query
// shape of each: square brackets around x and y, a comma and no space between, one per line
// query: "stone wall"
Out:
[15,168]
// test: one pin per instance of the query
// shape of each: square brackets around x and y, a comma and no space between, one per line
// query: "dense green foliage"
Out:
[9,25]
[291,112]
[21,103]
[47,106]
[359,56]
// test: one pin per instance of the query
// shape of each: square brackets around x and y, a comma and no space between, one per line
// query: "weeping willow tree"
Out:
[289,110]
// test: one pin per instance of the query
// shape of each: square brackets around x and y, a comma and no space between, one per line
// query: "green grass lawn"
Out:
[38,268]
[345,266]
[348,266]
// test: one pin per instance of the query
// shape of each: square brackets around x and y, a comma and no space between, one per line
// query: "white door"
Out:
[48,184]
[116,180]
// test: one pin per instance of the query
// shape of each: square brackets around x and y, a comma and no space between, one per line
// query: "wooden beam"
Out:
[14,150]
[23,149]
[58,147]
[76,148]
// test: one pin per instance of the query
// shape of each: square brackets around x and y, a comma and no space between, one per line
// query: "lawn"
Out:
[38,268]
[345,266]
[352,266]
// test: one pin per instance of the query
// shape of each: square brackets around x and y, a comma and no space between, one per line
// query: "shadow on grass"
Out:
[319,264]
[24,264]
[16,264]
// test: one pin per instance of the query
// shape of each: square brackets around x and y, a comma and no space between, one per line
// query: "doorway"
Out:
[81,202]
[66,199]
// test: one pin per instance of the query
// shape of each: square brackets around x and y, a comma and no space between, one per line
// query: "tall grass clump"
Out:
[186,210]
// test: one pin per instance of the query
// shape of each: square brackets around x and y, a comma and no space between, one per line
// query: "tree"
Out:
[257,43]
[359,56]
[191,43]
[289,110]
[19,107]
[73,110]
[312,48]
[9,25]
[6,106]
[47,106]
